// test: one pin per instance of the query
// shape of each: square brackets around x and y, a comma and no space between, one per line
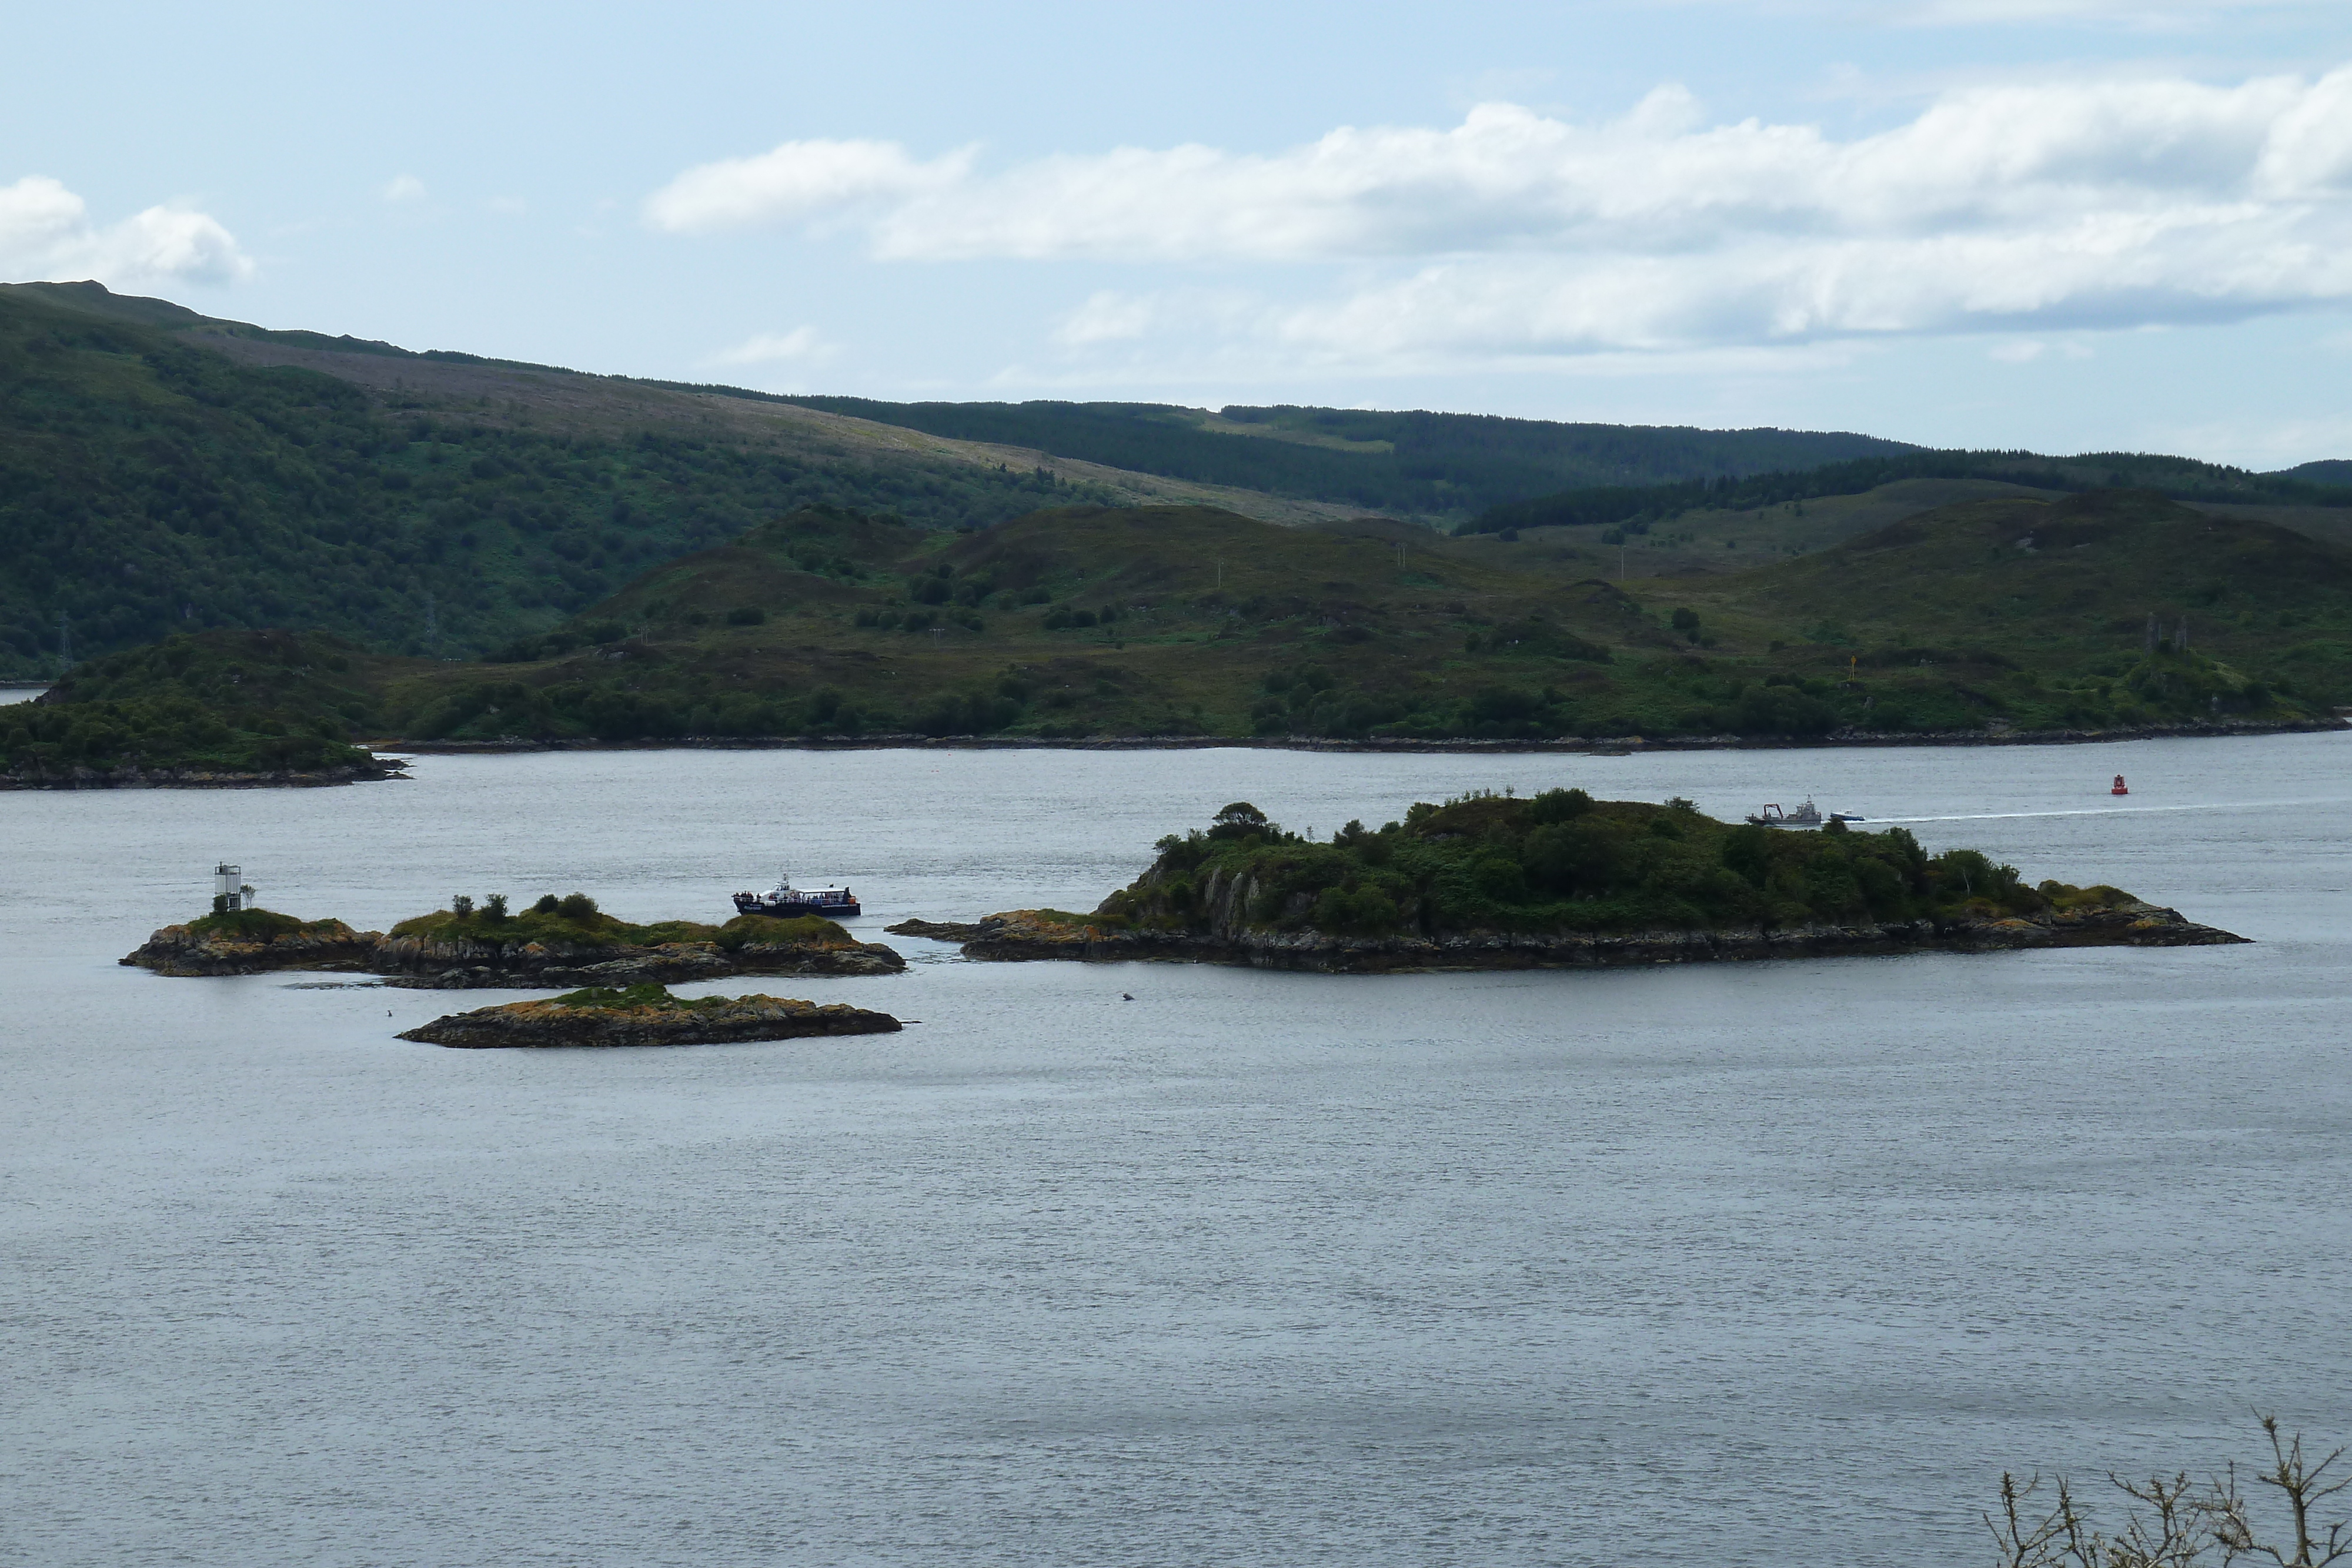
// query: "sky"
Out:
[2058,224]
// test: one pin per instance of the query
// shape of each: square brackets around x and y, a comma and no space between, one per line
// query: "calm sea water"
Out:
[1765,1263]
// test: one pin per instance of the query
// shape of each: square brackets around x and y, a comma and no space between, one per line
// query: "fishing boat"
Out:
[785,901]
[1805,816]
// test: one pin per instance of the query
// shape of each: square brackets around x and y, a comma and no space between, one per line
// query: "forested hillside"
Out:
[1419,464]
[149,485]
[2108,612]
[1637,507]
[163,471]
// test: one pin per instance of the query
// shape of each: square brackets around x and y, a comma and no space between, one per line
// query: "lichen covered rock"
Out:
[646,1015]
[253,942]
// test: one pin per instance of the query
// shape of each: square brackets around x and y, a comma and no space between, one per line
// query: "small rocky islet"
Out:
[1561,880]
[566,942]
[646,1014]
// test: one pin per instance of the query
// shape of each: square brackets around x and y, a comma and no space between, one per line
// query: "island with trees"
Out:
[555,942]
[1560,879]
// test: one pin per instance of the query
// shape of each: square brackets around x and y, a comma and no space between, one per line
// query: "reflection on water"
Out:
[1256,1269]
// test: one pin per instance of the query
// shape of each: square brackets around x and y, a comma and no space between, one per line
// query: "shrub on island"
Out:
[574,920]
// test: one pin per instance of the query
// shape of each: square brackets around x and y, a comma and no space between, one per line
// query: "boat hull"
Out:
[792,908]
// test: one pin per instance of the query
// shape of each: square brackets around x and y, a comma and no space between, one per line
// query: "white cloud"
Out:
[2023,353]
[2033,207]
[802,345]
[799,179]
[403,188]
[46,234]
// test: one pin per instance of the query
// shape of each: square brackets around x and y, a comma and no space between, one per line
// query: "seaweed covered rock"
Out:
[646,1015]
[253,942]
[1558,879]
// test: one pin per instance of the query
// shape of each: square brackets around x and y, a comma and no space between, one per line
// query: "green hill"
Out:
[164,471]
[1436,465]
[1165,621]
[150,484]
[1636,508]
[514,549]
[1980,616]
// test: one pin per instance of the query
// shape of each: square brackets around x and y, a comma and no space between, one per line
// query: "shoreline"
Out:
[387,768]
[1622,747]
[383,769]
[1021,936]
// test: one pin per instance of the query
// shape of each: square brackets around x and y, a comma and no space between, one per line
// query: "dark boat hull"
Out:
[793,908]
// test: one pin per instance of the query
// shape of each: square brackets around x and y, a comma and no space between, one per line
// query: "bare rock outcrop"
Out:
[646,1015]
[224,946]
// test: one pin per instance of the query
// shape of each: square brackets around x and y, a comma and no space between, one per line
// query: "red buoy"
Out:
[2121,788]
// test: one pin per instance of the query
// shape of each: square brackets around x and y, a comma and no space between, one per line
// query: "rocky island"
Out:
[253,942]
[646,1015]
[1560,880]
[556,942]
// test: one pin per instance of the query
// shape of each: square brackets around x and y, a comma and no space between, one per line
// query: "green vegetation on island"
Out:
[1561,860]
[555,941]
[1560,878]
[573,921]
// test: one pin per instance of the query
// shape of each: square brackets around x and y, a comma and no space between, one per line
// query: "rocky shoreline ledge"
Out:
[646,1015]
[1028,934]
[217,945]
[382,768]
[442,958]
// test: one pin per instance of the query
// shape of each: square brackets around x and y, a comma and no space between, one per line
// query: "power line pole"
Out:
[65,641]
